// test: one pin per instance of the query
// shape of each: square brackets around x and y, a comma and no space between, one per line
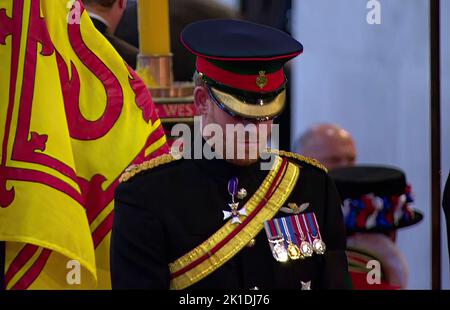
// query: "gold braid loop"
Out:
[147,165]
[308,160]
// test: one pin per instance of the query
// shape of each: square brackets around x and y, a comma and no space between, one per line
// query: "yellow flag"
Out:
[73,116]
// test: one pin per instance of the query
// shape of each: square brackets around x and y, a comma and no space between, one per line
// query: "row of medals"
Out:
[280,251]
[283,253]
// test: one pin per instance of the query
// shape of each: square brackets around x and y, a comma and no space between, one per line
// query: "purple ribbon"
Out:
[233,186]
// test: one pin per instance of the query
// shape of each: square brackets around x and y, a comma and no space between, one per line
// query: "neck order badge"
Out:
[235,213]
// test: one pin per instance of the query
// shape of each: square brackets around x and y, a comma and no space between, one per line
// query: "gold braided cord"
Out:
[147,165]
[308,160]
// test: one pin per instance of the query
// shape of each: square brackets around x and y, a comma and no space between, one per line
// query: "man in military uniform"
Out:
[227,223]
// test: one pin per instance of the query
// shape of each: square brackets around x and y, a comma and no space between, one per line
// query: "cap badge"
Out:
[261,80]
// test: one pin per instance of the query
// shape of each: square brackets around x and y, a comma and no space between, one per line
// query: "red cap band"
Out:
[263,82]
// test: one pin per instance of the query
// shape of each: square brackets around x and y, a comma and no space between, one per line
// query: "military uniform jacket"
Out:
[164,212]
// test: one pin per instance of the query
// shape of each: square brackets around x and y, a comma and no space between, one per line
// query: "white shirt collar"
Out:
[96,16]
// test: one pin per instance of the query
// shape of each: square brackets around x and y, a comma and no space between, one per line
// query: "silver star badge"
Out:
[306,286]
[234,213]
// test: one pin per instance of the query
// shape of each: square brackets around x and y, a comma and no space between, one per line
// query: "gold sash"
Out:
[232,238]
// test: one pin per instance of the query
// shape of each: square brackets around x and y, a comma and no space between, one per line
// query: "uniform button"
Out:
[251,244]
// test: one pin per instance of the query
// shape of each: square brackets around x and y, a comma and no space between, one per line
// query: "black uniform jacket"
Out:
[163,213]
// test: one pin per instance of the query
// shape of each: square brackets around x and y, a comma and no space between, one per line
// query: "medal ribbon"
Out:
[292,230]
[233,187]
[316,225]
[277,227]
[304,227]
[298,229]
[286,230]
[270,230]
[310,217]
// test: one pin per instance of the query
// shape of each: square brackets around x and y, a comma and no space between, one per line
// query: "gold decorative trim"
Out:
[147,165]
[308,160]
[243,237]
[266,109]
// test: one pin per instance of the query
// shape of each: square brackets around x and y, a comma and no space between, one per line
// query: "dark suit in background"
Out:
[127,51]
[446,206]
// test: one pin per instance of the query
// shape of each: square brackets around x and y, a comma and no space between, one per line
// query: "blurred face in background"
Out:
[331,145]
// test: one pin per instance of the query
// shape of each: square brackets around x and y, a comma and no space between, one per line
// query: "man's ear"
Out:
[201,100]
[122,4]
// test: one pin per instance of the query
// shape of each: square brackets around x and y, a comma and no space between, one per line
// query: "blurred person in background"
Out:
[330,144]
[106,15]
[376,201]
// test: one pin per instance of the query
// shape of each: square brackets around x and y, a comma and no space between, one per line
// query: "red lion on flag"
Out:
[73,116]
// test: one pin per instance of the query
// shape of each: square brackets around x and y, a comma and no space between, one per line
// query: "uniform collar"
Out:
[221,168]
[99,22]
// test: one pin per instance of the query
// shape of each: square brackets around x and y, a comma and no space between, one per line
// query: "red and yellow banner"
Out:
[73,116]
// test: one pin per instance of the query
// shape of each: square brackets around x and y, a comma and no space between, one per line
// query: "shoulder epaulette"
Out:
[308,160]
[147,165]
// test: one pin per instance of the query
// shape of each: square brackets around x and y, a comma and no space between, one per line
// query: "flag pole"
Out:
[174,99]
[435,120]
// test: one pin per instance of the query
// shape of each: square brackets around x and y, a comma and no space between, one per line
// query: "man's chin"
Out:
[242,162]
[246,156]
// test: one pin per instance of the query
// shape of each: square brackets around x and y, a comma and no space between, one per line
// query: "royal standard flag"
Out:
[73,116]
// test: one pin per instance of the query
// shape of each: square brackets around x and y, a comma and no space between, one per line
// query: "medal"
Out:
[293,250]
[235,213]
[279,251]
[242,193]
[276,242]
[313,229]
[319,246]
[306,248]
